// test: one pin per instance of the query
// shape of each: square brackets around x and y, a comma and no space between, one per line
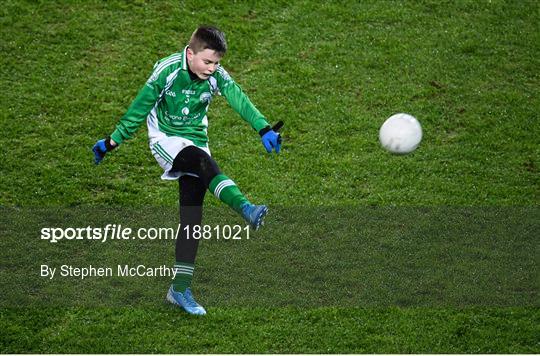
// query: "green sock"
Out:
[183,276]
[227,191]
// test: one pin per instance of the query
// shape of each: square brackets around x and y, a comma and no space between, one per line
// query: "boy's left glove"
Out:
[101,148]
[270,138]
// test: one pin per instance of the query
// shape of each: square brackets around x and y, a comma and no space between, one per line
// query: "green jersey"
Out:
[173,104]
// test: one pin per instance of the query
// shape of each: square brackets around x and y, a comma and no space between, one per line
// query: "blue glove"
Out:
[101,148]
[270,138]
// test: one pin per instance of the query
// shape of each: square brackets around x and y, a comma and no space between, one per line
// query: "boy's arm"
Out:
[132,120]
[239,101]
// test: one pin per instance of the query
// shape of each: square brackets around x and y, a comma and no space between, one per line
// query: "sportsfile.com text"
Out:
[119,232]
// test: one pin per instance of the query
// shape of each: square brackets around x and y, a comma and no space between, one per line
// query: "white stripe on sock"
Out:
[222,185]
[183,268]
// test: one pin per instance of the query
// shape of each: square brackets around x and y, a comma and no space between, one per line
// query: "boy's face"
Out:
[203,63]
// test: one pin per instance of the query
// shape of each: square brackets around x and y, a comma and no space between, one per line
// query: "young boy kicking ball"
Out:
[174,102]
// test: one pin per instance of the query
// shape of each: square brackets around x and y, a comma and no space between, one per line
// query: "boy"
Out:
[174,101]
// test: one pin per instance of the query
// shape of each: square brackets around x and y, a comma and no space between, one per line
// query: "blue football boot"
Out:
[254,214]
[186,301]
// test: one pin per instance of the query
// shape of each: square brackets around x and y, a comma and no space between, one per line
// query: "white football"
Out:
[400,133]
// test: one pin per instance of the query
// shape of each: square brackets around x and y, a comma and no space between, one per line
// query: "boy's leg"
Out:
[194,160]
[192,192]
[227,191]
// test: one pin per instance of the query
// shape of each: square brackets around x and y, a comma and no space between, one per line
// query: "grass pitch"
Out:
[333,72]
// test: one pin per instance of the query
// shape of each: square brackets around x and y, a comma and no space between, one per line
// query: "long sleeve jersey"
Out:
[175,105]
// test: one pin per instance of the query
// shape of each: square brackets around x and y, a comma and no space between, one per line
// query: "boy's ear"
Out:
[189,54]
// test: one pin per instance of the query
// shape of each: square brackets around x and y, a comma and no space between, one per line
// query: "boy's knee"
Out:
[195,160]
[208,167]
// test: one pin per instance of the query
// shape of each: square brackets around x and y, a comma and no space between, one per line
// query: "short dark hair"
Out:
[208,37]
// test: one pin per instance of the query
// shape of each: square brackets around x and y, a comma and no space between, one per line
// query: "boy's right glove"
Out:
[101,148]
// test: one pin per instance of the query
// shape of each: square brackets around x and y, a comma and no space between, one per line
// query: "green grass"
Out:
[468,70]
[272,330]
